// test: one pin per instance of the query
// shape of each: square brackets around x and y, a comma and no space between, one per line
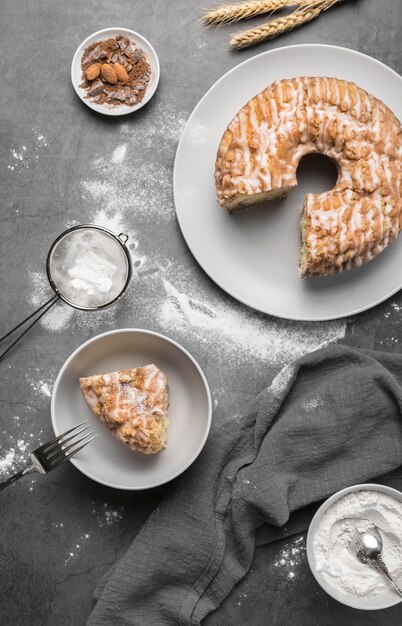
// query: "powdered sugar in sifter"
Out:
[88,267]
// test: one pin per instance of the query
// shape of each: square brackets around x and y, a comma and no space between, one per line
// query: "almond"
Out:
[93,71]
[121,72]
[108,74]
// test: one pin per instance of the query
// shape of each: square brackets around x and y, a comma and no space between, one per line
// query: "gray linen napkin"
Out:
[331,419]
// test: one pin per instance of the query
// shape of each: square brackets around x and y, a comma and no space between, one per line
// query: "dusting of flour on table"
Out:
[119,153]
[291,556]
[76,547]
[17,456]
[59,316]
[311,404]
[22,157]
[107,516]
[135,186]
[237,331]
[360,510]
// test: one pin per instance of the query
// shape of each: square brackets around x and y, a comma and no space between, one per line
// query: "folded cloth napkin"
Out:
[331,419]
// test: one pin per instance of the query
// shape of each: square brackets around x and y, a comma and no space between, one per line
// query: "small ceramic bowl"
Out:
[370,602]
[107,460]
[107,33]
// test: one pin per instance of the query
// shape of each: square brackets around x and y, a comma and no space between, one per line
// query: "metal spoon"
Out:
[367,548]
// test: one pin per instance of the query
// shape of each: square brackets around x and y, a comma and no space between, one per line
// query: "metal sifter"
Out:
[88,267]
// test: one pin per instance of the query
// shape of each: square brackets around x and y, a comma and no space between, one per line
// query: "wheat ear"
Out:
[309,10]
[229,13]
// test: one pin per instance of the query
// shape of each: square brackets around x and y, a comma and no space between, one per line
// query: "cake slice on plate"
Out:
[133,403]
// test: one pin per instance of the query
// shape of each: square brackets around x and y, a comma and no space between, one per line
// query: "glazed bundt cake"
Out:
[262,146]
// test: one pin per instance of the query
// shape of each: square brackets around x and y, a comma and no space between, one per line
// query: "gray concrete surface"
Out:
[62,164]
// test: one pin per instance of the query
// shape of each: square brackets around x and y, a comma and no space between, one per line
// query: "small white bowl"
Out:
[106,33]
[369,602]
[107,460]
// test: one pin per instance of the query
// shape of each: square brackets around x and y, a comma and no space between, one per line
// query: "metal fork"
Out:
[54,452]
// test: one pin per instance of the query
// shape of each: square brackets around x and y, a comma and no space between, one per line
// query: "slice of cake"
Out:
[133,404]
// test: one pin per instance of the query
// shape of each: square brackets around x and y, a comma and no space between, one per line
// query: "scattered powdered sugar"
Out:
[107,516]
[7,462]
[22,445]
[291,556]
[59,316]
[119,153]
[281,380]
[162,129]
[17,456]
[41,387]
[238,331]
[134,397]
[44,387]
[241,597]
[76,548]
[23,156]
[144,189]
[310,404]
[136,185]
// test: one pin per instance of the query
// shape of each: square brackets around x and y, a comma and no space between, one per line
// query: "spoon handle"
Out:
[382,568]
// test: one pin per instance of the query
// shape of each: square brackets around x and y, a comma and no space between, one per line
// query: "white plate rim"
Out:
[397,495]
[119,110]
[243,300]
[76,462]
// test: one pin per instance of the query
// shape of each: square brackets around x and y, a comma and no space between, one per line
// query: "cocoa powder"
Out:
[119,50]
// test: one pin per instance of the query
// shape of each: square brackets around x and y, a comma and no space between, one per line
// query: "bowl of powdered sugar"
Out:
[332,562]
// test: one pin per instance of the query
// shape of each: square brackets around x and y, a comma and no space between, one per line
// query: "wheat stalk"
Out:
[229,13]
[308,10]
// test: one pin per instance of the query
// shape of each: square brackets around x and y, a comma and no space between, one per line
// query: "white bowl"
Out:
[106,33]
[107,460]
[370,603]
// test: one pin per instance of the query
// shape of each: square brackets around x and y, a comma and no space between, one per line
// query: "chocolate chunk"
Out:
[135,58]
[104,54]
[119,95]
[122,42]
[118,58]
[94,55]
[130,50]
[96,88]
[113,45]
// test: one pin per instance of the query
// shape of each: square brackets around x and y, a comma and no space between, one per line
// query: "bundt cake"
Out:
[262,146]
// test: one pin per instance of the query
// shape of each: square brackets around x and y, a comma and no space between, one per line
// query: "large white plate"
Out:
[106,459]
[254,255]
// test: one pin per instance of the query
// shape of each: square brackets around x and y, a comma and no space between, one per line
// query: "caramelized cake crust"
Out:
[262,146]
[133,404]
